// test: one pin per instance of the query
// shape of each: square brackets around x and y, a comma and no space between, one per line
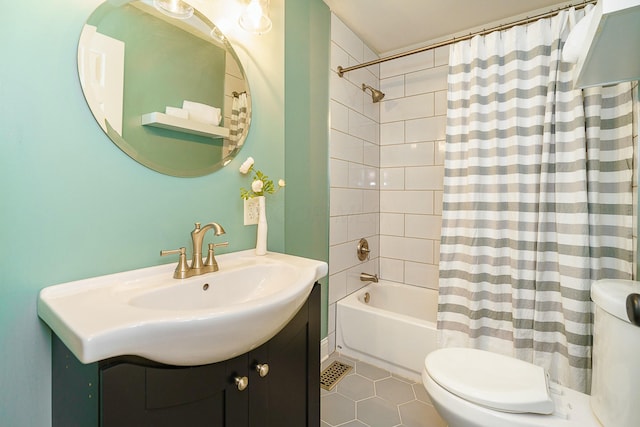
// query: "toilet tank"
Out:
[615,386]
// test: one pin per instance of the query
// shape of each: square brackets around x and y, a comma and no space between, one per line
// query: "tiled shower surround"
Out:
[387,166]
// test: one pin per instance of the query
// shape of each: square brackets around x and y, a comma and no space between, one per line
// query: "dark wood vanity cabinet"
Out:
[125,391]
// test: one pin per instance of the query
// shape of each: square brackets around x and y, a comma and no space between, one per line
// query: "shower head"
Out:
[376,95]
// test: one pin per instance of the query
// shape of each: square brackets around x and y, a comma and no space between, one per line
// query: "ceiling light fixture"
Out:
[174,8]
[255,18]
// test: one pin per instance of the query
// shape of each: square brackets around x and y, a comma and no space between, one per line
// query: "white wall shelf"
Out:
[164,121]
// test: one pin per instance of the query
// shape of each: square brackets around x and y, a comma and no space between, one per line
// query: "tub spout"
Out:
[366,277]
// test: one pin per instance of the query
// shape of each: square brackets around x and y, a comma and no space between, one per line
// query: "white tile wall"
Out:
[387,167]
[354,152]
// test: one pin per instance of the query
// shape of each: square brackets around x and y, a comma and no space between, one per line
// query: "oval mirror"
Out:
[165,85]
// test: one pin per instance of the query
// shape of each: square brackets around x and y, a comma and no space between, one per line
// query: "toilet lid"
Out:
[492,380]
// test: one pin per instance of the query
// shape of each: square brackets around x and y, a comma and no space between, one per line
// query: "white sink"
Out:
[188,322]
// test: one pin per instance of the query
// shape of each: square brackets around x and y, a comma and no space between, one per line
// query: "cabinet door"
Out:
[290,393]
[134,395]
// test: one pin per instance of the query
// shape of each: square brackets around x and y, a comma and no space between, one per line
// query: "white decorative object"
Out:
[202,112]
[177,112]
[261,240]
[165,121]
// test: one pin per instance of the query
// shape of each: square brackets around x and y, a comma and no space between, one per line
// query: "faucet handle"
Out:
[182,268]
[211,260]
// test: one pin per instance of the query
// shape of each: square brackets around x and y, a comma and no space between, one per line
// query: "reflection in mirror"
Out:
[171,93]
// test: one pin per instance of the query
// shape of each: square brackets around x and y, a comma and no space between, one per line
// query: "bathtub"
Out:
[394,330]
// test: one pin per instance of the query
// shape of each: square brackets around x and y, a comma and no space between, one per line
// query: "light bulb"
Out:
[255,18]
[174,8]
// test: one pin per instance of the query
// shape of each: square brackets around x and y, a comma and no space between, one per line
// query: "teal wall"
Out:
[151,88]
[307,45]
[75,206]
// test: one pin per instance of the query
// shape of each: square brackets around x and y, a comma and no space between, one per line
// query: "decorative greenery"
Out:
[261,183]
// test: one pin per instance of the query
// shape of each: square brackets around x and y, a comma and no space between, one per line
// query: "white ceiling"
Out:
[388,26]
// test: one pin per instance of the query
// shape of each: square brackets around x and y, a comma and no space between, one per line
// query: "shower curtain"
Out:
[237,124]
[537,199]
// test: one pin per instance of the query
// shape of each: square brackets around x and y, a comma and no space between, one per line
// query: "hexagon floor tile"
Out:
[369,396]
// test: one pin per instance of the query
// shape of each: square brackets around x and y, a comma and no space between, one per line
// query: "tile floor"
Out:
[369,396]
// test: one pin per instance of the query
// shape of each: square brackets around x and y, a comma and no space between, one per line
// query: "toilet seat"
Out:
[491,380]
[572,410]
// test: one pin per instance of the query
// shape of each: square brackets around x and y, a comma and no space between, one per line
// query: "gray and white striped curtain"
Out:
[537,199]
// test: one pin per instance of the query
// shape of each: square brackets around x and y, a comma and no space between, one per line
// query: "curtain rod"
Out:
[551,13]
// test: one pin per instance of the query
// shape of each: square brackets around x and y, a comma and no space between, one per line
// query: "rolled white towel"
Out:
[202,112]
[176,112]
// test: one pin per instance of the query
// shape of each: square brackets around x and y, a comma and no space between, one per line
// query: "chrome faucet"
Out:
[197,267]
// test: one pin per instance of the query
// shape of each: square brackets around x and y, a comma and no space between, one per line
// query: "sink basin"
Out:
[188,322]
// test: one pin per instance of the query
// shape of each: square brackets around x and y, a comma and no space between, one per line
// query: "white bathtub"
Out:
[395,330]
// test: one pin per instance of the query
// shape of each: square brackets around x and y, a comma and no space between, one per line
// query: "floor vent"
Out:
[332,374]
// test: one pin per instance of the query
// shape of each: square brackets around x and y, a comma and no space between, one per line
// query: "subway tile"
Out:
[425,129]
[423,226]
[408,108]
[339,57]
[392,133]
[339,117]
[406,155]
[409,202]
[353,275]
[337,287]
[363,176]
[392,178]
[408,64]
[346,147]
[338,229]
[419,274]
[392,224]
[424,178]
[371,154]
[360,76]
[441,56]
[392,269]
[339,173]
[346,39]
[363,127]
[437,202]
[370,55]
[342,257]
[440,103]
[374,246]
[356,175]
[345,201]
[436,252]
[364,225]
[370,201]
[393,87]
[407,249]
[424,81]
[346,93]
[371,110]
[439,153]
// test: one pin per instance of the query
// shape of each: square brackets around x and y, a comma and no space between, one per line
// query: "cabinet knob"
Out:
[262,369]
[242,383]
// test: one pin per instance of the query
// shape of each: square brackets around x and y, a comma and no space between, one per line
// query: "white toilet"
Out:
[476,388]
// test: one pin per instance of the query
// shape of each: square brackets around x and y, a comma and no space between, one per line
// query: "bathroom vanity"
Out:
[129,391]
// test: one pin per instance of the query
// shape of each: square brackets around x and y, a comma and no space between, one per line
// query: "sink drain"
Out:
[332,374]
